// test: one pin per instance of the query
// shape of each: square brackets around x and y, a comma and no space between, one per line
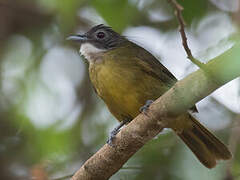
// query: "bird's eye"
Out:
[100,35]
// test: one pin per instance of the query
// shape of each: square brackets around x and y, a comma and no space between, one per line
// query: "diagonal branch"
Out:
[178,13]
[182,96]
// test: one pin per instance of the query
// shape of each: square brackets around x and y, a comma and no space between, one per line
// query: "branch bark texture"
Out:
[182,96]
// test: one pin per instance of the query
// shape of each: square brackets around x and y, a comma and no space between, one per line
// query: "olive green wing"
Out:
[153,67]
[150,65]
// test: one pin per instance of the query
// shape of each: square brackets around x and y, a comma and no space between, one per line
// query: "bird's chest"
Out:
[117,84]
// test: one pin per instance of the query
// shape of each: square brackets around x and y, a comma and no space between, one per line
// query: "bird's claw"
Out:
[112,136]
[114,132]
[145,108]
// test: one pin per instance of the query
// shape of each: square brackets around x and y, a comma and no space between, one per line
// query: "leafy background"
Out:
[51,121]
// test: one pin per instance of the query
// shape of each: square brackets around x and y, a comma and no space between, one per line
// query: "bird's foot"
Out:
[114,132]
[145,108]
[112,136]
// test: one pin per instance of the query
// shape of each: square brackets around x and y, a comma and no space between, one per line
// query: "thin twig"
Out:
[178,13]
[131,168]
[64,177]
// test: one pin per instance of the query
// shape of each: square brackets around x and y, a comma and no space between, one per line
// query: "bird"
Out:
[128,79]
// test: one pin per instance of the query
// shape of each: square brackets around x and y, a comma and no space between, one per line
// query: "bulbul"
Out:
[126,76]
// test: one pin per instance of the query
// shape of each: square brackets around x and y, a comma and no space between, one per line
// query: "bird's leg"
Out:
[114,132]
[144,108]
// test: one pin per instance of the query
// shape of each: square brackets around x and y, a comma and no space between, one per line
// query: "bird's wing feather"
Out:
[153,67]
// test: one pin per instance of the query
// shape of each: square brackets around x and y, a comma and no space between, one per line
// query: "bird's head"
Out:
[98,39]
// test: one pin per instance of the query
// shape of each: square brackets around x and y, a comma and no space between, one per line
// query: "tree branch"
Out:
[178,13]
[182,96]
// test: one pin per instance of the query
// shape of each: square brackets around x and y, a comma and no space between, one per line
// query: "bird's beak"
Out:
[78,38]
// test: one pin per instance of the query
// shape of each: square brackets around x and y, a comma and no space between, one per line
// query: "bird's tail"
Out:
[207,148]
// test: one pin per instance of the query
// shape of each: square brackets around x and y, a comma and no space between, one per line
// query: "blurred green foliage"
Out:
[51,120]
[194,10]
[119,14]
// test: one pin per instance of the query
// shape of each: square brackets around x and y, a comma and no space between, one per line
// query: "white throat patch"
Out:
[88,51]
